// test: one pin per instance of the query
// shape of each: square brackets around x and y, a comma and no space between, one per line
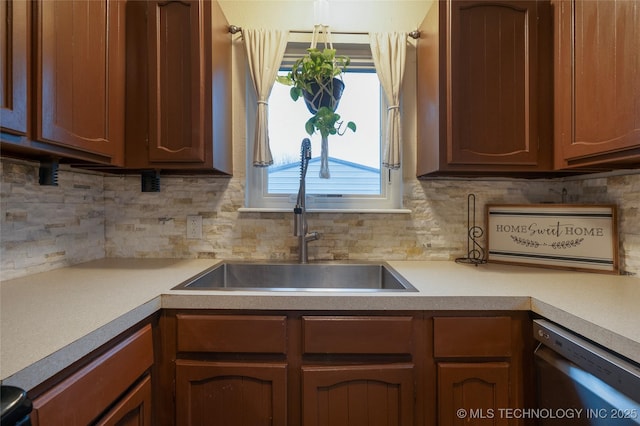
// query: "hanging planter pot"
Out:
[327,94]
[313,77]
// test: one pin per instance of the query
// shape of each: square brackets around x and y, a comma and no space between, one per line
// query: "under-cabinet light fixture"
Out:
[48,173]
[150,181]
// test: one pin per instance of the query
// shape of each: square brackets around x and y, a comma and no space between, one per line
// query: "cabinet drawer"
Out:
[83,396]
[356,335]
[472,337]
[232,333]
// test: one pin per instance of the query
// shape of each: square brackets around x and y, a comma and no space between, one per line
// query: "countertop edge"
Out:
[610,340]
[42,370]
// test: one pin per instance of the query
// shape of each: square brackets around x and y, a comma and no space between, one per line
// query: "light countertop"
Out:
[52,319]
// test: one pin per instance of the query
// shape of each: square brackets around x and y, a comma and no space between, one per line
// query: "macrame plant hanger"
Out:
[322,31]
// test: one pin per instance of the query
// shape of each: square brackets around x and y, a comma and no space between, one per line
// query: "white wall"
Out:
[350,15]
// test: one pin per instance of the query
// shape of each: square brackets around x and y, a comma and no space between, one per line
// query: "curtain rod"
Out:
[233,29]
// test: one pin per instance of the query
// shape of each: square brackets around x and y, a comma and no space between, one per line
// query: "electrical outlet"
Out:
[194,227]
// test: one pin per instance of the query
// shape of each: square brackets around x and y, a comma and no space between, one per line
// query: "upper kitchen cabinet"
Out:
[178,86]
[484,88]
[80,75]
[68,102]
[597,83]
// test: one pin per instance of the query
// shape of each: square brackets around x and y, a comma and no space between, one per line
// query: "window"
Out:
[357,181]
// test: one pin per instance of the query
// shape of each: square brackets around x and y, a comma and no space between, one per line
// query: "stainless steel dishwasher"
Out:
[581,383]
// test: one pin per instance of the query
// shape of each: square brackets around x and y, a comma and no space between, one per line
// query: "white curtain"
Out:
[265,50]
[389,51]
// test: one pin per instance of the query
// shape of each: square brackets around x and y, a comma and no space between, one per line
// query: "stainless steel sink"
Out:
[252,276]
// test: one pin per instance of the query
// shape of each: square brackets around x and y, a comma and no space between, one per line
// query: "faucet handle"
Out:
[312,236]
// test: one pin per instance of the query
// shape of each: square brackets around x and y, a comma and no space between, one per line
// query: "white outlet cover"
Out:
[194,227]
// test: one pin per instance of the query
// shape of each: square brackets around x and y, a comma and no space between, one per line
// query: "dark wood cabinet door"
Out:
[14,65]
[358,395]
[597,82]
[484,94]
[177,85]
[133,409]
[230,393]
[493,83]
[480,389]
[80,77]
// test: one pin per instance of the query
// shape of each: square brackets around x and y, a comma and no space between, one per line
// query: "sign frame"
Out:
[579,237]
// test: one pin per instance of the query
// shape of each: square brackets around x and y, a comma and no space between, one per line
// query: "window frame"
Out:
[257,197]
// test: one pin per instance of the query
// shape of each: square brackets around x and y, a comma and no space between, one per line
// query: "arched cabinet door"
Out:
[480,389]
[493,80]
[80,76]
[484,88]
[178,86]
[176,98]
[358,395]
[230,393]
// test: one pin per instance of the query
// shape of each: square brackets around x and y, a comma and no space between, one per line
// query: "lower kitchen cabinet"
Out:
[290,368]
[378,389]
[358,395]
[480,368]
[229,369]
[337,368]
[112,388]
[230,393]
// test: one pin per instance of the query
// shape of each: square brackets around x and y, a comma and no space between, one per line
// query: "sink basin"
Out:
[250,276]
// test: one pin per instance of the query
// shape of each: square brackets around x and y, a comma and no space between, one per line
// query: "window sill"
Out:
[362,211]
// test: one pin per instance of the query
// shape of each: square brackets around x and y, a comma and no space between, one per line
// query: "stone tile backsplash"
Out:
[48,227]
[89,216]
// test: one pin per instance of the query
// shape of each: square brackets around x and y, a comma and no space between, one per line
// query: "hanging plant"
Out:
[327,122]
[316,77]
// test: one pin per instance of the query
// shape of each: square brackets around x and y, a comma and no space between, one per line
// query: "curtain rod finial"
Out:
[233,29]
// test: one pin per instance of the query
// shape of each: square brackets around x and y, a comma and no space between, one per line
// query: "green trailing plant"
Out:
[327,122]
[318,71]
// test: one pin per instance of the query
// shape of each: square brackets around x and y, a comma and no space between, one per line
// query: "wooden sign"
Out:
[578,237]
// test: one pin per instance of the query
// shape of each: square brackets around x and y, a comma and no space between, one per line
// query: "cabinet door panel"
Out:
[176,81]
[230,394]
[14,53]
[492,69]
[134,409]
[484,95]
[481,389]
[597,78]
[369,395]
[80,78]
